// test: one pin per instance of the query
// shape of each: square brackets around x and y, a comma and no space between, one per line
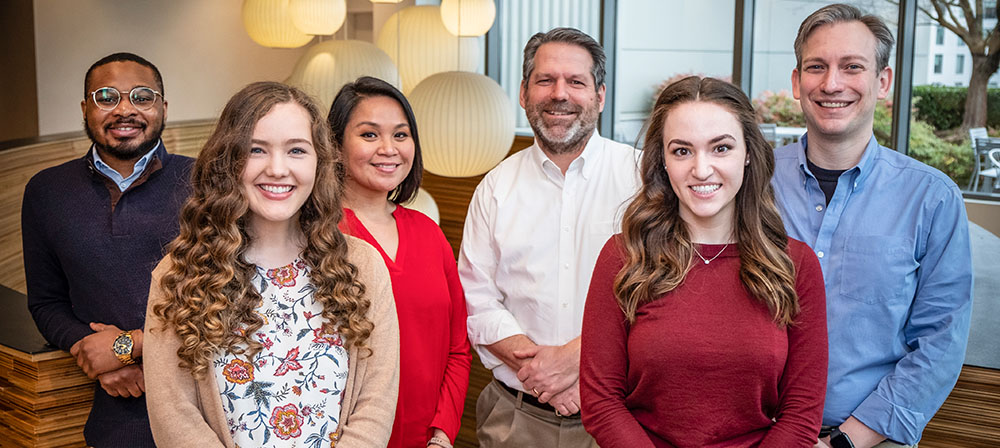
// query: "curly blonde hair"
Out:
[656,244]
[210,300]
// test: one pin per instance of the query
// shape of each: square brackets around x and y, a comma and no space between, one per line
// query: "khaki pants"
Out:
[503,421]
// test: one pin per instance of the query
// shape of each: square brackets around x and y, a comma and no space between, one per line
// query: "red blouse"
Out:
[434,355]
[705,365]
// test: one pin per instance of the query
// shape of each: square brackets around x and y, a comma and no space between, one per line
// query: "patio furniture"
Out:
[770,131]
[987,163]
[974,135]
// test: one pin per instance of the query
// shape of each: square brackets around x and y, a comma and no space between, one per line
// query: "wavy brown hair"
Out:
[210,300]
[657,246]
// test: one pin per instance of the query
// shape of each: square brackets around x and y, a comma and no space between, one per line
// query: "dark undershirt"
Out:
[827,179]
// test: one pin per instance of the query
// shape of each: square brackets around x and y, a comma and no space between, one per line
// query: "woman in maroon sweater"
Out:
[705,325]
[381,167]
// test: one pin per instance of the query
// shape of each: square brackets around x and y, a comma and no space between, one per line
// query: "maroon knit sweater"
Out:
[704,365]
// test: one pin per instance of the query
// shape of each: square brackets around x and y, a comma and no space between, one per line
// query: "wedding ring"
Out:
[558,414]
[535,391]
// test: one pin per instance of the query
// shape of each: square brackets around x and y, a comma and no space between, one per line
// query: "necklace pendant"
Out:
[706,261]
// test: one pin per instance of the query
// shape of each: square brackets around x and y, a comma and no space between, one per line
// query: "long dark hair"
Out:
[340,114]
[657,246]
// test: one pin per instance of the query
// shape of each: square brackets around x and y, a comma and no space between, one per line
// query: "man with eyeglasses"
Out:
[93,229]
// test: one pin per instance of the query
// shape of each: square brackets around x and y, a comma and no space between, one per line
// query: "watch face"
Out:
[123,345]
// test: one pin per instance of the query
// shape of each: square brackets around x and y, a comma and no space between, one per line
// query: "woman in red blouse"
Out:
[705,325]
[374,127]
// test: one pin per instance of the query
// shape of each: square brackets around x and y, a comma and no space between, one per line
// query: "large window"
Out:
[939,95]
[774,30]
[654,46]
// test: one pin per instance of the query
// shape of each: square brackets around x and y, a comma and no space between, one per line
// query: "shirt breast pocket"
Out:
[877,269]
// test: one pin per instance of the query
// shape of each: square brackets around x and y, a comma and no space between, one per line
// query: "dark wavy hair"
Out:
[657,245]
[340,114]
[210,299]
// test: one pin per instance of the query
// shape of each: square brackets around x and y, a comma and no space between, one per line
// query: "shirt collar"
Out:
[590,152]
[137,170]
[862,170]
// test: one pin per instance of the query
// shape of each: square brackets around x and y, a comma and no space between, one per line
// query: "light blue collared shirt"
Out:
[894,247]
[124,182]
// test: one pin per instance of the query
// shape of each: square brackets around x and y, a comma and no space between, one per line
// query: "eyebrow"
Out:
[678,141]
[291,140]
[373,124]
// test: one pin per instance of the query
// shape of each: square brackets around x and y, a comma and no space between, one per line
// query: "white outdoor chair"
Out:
[974,135]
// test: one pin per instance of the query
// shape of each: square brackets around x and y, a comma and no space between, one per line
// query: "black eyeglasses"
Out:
[142,98]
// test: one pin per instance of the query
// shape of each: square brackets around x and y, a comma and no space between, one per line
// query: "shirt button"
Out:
[819,208]
[566,229]
[123,184]
[565,305]
[819,254]
[566,266]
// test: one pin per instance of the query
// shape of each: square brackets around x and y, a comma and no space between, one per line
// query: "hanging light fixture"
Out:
[424,203]
[466,123]
[318,17]
[327,66]
[417,41]
[468,17]
[269,23]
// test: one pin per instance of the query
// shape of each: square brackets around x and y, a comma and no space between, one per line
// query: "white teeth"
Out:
[827,104]
[705,189]
[277,189]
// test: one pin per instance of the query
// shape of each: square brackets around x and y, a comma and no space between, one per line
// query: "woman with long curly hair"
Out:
[705,325]
[266,326]
[381,167]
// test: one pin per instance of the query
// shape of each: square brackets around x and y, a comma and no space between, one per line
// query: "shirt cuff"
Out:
[492,326]
[897,423]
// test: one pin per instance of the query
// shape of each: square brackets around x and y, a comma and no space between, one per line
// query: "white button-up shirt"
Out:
[531,239]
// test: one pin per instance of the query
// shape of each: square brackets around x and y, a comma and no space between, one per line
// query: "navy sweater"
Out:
[88,255]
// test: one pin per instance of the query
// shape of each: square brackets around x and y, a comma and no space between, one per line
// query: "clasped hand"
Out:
[552,373]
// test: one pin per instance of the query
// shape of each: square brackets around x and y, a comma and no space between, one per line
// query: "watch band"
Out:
[840,439]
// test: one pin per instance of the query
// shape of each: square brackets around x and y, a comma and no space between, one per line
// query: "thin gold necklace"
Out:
[710,259]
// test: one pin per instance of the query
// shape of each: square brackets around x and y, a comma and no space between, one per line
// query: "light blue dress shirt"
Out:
[124,182]
[894,247]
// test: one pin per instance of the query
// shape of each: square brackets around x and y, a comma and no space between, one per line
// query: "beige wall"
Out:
[984,213]
[200,47]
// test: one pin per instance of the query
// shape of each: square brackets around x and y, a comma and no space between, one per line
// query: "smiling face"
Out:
[281,167]
[560,99]
[378,146]
[839,83]
[705,155]
[124,133]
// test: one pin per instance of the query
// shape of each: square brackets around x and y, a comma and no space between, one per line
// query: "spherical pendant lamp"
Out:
[417,41]
[318,17]
[327,66]
[269,23]
[468,17]
[424,203]
[466,123]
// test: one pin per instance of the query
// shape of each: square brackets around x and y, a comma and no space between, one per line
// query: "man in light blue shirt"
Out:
[891,235]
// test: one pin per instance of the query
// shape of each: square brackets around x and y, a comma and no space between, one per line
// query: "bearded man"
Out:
[94,228]
[534,229]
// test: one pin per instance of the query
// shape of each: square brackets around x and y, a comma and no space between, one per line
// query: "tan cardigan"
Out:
[188,413]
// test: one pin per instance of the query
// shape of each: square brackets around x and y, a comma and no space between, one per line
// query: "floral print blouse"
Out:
[290,394]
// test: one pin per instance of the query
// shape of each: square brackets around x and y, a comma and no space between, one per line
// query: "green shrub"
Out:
[955,160]
[778,108]
[944,107]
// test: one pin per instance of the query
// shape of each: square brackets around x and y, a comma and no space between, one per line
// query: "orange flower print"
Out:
[283,276]
[286,421]
[321,337]
[238,371]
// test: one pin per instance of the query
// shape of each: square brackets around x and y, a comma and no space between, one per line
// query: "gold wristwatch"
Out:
[122,348]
